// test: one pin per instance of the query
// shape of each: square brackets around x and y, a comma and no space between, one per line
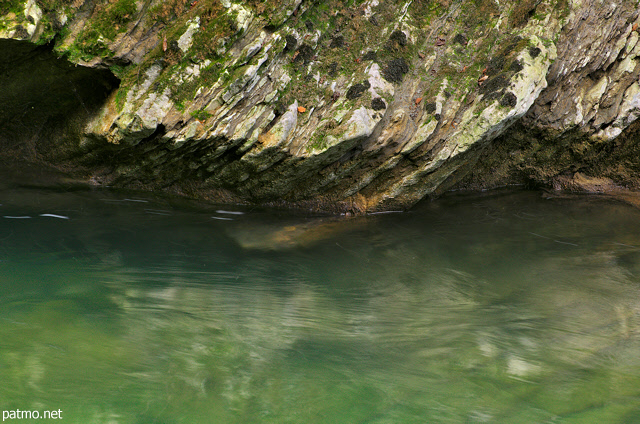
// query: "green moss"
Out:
[107,21]
[48,31]
[217,28]
[118,71]
[121,98]
[167,12]
[185,92]
[317,142]
[90,43]
[11,6]
[270,10]
[201,114]
[122,11]
[423,13]
[54,5]
[522,12]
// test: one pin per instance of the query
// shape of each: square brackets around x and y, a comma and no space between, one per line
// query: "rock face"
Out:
[360,105]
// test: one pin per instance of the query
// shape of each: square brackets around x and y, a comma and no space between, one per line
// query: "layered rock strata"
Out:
[345,105]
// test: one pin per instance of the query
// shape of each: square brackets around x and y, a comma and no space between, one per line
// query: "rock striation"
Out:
[341,105]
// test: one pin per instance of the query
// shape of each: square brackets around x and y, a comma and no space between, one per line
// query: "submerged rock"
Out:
[209,96]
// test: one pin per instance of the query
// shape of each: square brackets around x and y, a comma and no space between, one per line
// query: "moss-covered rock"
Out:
[383,102]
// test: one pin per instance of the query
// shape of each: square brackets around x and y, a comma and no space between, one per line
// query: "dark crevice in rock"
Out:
[154,137]
[46,101]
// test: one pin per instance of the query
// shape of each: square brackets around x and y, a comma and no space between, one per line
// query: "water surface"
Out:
[502,308]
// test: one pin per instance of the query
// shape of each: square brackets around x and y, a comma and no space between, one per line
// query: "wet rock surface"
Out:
[346,108]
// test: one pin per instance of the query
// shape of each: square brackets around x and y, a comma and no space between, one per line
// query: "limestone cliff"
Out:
[362,105]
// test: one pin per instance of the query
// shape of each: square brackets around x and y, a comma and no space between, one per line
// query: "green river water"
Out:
[507,307]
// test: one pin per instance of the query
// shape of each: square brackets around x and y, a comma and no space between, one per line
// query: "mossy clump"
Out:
[11,6]
[304,54]
[53,13]
[370,55]
[378,104]
[395,70]
[21,33]
[357,90]
[332,69]
[89,44]
[111,19]
[122,11]
[107,21]
[263,6]
[168,11]
[173,54]
[201,114]
[118,70]
[217,29]
[477,17]
[460,39]
[534,52]
[509,100]
[121,98]
[524,10]
[291,43]
[495,65]
[272,12]
[337,42]
[318,142]
[513,44]
[397,39]
[430,107]
[516,66]
[494,84]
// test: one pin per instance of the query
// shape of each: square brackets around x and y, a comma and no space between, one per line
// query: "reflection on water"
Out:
[505,308]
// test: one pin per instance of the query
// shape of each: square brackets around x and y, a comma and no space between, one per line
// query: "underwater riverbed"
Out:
[498,308]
